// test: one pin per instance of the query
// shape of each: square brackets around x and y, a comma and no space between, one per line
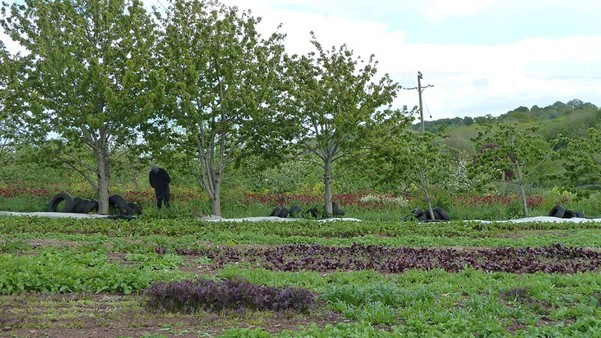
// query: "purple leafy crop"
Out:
[296,257]
[189,296]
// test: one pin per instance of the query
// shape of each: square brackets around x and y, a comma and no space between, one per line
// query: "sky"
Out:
[481,56]
[477,57]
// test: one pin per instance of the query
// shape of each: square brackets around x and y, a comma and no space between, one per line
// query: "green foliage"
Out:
[418,303]
[220,91]
[7,130]
[570,120]
[374,304]
[513,152]
[152,261]
[339,105]
[354,330]
[245,333]
[176,233]
[582,161]
[63,271]
[436,303]
[28,168]
[372,312]
[25,203]
[14,246]
[444,124]
[308,279]
[419,159]
[86,81]
[387,294]
[490,212]
[291,176]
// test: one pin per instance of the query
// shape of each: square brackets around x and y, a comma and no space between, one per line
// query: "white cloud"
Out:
[440,9]
[475,80]
[468,79]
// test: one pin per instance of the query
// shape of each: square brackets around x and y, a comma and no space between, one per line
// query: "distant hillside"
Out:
[571,118]
[557,110]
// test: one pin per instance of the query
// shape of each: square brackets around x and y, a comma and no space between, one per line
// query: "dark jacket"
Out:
[159,180]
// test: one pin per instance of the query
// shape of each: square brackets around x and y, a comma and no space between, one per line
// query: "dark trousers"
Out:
[163,199]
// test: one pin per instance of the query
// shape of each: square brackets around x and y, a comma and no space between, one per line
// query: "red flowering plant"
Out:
[358,200]
[534,201]
[14,191]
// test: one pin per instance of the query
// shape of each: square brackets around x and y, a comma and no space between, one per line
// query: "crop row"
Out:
[179,228]
[194,295]
[296,257]
[62,271]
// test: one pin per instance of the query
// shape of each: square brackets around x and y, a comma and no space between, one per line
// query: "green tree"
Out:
[338,105]
[421,161]
[581,159]
[12,122]
[6,134]
[519,151]
[87,75]
[222,90]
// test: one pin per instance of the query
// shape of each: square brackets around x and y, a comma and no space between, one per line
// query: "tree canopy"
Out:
[86,77]
[222,90]
[339,104]
[5,133]
[582,160]
[196,80]
[419,161]
[518,150]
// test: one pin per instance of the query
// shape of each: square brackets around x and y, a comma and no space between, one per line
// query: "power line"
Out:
[161,4]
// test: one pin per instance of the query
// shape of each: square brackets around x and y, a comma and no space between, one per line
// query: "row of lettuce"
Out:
[417,302]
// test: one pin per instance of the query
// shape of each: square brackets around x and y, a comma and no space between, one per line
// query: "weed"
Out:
[14,246]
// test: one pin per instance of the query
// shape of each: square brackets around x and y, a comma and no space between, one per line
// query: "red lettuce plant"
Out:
[190,296]
[297,257]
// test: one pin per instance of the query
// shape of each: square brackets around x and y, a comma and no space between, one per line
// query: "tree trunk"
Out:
[209,179]
[524,200]
[522,184]
[104,178]
[429,205]
[216,196]
[327,182]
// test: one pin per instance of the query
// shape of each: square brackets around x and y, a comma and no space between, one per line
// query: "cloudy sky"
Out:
[481,56]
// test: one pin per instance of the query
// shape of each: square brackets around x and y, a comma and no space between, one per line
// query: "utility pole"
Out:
[420,89]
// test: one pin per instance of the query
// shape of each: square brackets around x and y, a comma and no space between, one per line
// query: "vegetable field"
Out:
[163,277]
[105,90]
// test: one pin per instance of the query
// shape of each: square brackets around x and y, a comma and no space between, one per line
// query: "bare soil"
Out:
[110,315]
[118,315]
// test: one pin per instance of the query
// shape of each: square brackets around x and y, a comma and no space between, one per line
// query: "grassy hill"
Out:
[571,118]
